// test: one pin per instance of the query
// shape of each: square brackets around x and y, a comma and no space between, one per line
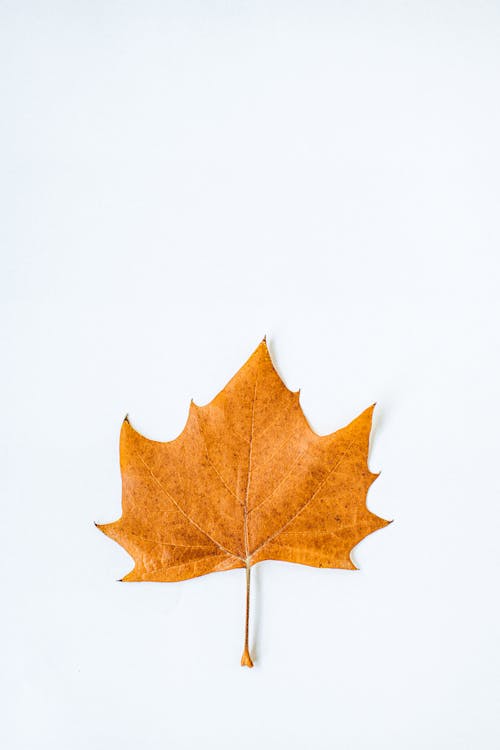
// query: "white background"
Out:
[179,178]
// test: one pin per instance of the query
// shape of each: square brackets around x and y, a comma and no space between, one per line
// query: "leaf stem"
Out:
[246,659]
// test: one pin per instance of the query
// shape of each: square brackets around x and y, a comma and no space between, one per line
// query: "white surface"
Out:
[179,179]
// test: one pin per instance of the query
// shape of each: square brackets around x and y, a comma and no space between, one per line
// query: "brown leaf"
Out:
[247,480]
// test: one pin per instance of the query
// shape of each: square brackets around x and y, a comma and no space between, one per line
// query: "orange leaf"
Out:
[247,480]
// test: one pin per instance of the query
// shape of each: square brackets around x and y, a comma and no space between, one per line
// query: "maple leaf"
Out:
[247,480]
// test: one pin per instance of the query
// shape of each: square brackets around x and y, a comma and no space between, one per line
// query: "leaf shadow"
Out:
[378,426]
[272,351]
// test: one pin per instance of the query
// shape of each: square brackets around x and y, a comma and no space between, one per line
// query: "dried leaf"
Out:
[247,480]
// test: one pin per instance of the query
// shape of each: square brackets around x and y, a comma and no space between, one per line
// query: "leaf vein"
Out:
[186,515]
[305,504]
